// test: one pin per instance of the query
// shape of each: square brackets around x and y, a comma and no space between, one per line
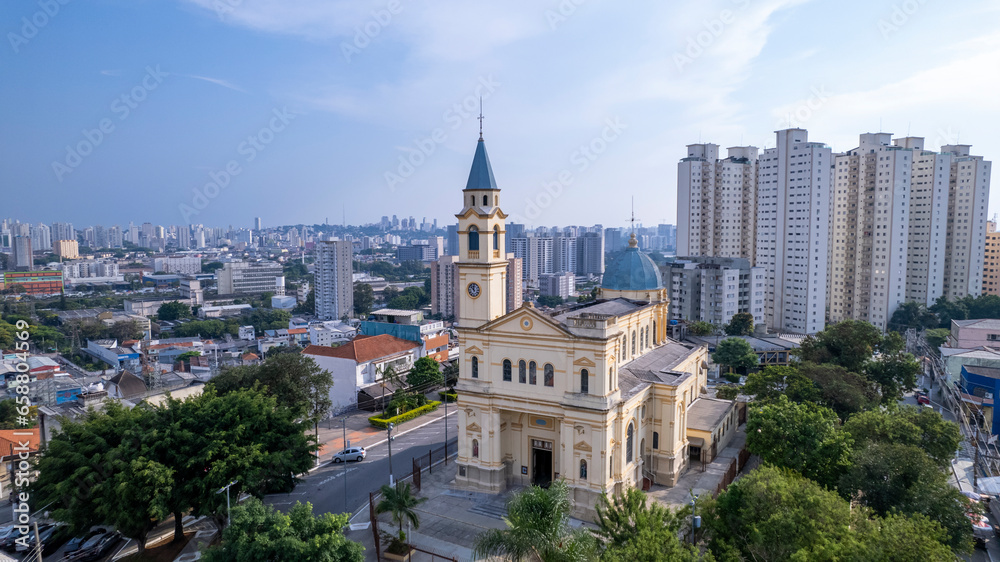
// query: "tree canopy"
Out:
[259,532]
[741,324]
[173,310]
[425,372]
[364,299]
[736,354]
[632,529]
[295,380]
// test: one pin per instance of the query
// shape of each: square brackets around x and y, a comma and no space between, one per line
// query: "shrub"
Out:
[448,396]
[383,423]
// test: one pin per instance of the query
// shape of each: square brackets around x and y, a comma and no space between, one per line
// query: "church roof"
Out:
[481,174]
[632,271]
[656,366]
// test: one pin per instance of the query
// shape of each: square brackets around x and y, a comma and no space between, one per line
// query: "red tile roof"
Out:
[10,442]
[297,330]
[364,348]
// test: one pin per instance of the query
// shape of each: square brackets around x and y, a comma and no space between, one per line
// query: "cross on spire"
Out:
[481,118]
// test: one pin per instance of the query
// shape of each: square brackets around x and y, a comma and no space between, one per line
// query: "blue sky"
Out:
[319,108]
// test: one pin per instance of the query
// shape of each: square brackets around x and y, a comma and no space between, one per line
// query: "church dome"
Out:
[632,271]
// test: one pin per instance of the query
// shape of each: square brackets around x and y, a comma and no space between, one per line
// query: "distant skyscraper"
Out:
[41,237]
[590,253]
[334,283]
[444,287]
[63,231]
[991,261]
[183,237]
[258,225]
[23,260]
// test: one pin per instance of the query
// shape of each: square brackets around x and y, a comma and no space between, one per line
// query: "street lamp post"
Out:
[446,426]
[226,490]
[345,465]
[389,441]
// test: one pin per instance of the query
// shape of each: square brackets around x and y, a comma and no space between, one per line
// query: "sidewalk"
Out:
[694,481]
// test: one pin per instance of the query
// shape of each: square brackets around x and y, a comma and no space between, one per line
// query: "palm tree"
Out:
[401,502]
[538,529]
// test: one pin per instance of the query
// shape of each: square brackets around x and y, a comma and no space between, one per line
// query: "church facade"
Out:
[596,395]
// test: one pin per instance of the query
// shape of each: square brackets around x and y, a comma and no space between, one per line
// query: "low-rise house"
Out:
[970,334]
[361,364]
[711,425]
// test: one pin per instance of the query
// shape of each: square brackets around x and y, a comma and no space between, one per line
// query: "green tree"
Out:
[126,330]
[401,503]
[736,354]
[936,337]
[307,306]
[840,390]
[212,266]
[894,374]
[912,315]
[173,310]
[803,437]
[259,532]
[699,328]
[727,392]
[849,343]
[907,425]
[633,530]
[901,538]
[450,373]
[740,325]
[426,372]
[780,380]
[295,380]
[538,528]
[947,311]
[364,299]
[550,301]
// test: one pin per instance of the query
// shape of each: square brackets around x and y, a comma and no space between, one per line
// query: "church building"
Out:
[597,394]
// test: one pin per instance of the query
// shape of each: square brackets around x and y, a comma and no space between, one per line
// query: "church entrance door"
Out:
[541,463]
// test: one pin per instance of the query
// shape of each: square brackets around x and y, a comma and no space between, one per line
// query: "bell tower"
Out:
[482,257]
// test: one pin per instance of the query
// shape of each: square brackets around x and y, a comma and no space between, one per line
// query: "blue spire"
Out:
[481,175]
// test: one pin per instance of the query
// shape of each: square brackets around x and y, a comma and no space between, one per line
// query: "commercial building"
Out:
[713,290]
[418,250]
[237,278]
[183,265]
[35,282]
[333,279]
[67,249]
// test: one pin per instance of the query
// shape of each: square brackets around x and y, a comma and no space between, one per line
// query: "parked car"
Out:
[8,538]
[350,454]
[77,544]
[8,531]
[44,532]
[103,547]
[60,534]
[923,399]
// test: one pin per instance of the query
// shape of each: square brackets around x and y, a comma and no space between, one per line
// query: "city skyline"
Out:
[330,108]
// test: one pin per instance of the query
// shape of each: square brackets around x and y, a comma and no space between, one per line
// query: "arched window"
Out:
[473,239]
[654,332]
[475,367]
[549,375]
[629,435]
[485,201]
[496,237]
[584,381]
[583,470]
[642,339]
[506,370]
[496,200]
[633,342]
[475,448]
[656,440]
[522,371]
[532,373]
[472,200]
[647,337]
[611,379]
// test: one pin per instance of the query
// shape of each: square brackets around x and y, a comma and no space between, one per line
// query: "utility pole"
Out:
[226,490]
[38,543]
[446,426]
[975,458]
[389,441]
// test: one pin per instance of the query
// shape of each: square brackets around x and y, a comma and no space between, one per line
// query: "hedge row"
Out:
[450,396]
[383,423]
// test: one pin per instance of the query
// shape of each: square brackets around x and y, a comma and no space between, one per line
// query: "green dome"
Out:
[632,271]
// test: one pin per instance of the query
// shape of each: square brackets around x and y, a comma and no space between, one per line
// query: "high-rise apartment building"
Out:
[23,260]
[564,254]
[63,231]
[927,241]
[183,237]
[991,260]
[870,230]
[41,236]
[444,287]
[590,253]
[968,195]
[792,234]
[515,283]
[180,265]
[115,237]
[237,278]
[536,256]
[334,280]
[717,198]
[67,249]
[713,290]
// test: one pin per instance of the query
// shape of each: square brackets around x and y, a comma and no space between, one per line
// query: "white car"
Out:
[350,454]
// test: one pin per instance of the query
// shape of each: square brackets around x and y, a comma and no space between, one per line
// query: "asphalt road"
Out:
[325,487]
